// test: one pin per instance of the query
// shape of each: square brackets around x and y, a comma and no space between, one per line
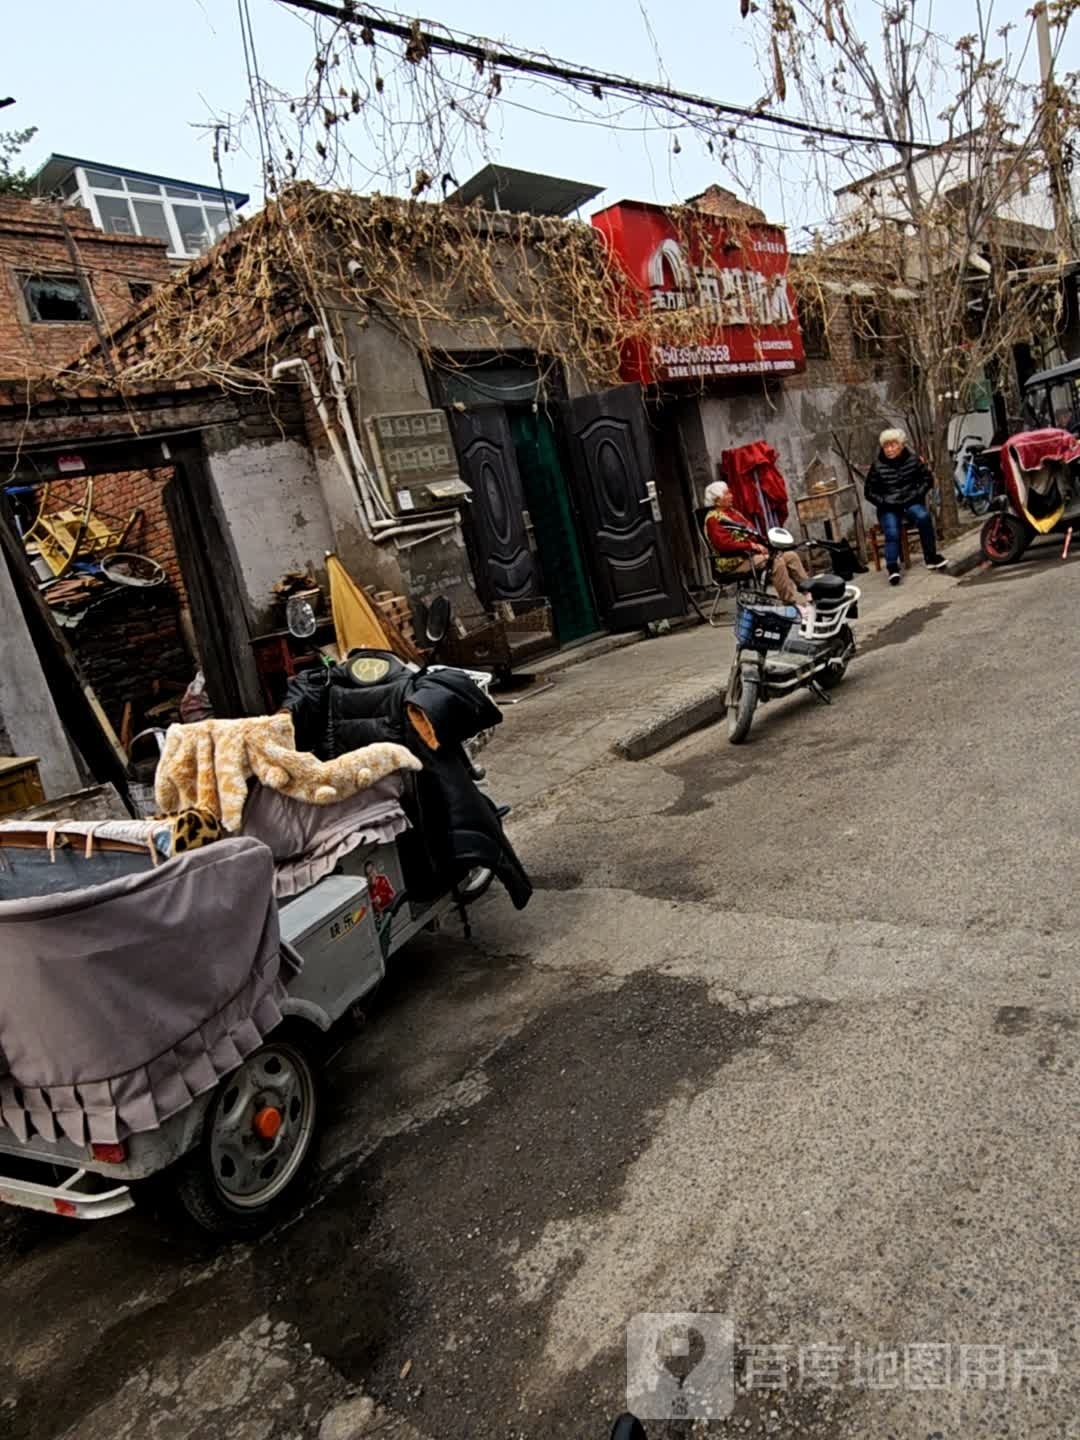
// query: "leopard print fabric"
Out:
[192,829]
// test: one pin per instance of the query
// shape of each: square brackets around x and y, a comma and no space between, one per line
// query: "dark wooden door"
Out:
[613,476]
[217,606]
[503,563]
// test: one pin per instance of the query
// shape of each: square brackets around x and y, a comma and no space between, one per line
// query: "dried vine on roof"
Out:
[493,280]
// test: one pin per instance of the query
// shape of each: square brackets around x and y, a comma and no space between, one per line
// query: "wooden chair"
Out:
[876,537]
[79,532]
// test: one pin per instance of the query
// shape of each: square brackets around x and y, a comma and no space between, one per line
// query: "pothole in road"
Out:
[413,1258]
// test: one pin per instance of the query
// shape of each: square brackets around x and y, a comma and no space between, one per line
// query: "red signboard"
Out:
[731,278]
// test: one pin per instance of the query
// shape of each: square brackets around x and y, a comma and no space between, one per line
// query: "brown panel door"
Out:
[613,477]
[503,564]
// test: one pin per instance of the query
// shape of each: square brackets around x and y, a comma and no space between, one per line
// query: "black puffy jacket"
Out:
[895,484]
[455,826]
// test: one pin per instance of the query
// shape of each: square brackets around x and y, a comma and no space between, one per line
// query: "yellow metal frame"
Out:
[78,532]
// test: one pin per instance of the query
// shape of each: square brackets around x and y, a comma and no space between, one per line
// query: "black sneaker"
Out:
[937,563]
[894,577]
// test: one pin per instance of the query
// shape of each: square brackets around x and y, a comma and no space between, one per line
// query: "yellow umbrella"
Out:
[358,623]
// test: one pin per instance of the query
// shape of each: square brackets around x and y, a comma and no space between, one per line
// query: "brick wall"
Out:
[843,364]
[37,237]
[131,649]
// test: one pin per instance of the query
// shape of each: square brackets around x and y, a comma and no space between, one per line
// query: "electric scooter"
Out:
[779,651]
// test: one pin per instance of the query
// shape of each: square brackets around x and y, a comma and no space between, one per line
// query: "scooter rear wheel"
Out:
[830,677]
[742,699]
[1004,538]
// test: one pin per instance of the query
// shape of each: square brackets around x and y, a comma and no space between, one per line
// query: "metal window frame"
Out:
[176,250]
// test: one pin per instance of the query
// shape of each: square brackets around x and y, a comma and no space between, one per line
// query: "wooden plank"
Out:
[75,702]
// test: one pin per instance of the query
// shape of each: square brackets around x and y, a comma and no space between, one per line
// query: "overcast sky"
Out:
[132,83]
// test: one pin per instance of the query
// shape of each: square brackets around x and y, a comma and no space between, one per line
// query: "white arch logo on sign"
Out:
[670,253]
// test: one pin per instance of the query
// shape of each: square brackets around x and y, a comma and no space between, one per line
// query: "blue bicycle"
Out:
[974,483]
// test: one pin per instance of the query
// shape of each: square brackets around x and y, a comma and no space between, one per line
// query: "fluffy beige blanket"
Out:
[207,766]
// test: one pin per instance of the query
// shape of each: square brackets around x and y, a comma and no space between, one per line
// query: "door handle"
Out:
[652,499]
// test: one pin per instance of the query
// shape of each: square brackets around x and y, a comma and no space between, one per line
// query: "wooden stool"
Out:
[876,536]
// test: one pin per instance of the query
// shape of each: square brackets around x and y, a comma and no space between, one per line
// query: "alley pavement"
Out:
[591,708]
[788,1036]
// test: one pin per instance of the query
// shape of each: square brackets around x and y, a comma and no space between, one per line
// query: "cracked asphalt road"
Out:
[789,1033]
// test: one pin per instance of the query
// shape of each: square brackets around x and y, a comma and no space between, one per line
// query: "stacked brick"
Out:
[397,609]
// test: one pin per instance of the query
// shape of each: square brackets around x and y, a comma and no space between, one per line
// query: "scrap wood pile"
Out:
[85,592]
[396,609]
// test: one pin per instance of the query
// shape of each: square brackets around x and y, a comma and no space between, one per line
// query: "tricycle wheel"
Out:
[255,1155]
[742,698]
[1004,538]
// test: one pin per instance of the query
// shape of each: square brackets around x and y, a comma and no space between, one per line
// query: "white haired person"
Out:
[732,549]
[897,485]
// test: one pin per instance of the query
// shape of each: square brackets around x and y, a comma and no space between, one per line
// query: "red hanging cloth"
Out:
[754,479]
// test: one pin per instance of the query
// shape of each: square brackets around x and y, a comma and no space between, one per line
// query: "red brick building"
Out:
[63,284]
[61,279]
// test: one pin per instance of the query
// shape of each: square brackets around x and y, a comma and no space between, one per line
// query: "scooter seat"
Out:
[825,590]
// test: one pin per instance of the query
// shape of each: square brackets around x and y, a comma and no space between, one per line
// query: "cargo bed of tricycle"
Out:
[233,1123]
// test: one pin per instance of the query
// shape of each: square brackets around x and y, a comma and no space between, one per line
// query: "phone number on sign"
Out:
[698,371]
[692,355]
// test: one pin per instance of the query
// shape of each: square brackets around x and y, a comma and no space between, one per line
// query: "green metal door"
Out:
[566,583]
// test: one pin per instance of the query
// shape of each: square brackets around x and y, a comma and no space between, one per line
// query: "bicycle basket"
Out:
[764,627]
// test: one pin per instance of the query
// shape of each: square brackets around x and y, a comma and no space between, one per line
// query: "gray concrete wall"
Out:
[29,724]
[800,423]
[272,508]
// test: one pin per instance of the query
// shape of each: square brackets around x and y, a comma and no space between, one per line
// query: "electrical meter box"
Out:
[416,461]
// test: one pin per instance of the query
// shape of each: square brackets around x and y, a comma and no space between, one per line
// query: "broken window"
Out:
[55,298]
[815,335]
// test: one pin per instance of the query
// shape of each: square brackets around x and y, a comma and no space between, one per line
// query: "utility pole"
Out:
[1060,192]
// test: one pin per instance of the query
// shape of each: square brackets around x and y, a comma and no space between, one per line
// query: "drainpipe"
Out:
[374,529]
[336,369]
[298,363]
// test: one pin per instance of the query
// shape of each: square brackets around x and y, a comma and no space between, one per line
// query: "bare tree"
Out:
[959,200]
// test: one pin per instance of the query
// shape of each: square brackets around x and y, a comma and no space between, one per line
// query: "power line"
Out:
[484,53]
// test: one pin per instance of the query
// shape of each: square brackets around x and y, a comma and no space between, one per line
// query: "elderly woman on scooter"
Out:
[732,549]
[897,485]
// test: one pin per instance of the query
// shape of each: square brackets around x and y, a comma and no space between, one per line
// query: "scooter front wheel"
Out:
[1004,538]
[742,699]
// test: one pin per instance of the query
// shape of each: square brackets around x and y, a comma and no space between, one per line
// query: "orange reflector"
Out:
[109,1154]
[267,1122]
[65,1207]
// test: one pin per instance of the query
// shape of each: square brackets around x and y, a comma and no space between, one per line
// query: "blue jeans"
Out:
[890,521]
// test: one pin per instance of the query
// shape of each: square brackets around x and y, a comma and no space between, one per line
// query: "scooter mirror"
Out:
[437,624]
[781,539]
[300,618]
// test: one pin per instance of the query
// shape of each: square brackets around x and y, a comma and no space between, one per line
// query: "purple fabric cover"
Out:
[122,1002]
[307,841]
